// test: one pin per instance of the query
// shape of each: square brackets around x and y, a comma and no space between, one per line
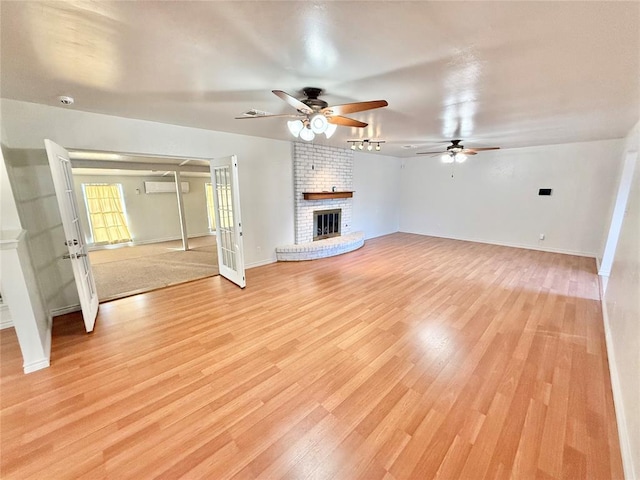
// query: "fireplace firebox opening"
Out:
[326,224]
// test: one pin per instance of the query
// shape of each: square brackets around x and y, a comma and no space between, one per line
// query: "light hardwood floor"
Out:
[413,357]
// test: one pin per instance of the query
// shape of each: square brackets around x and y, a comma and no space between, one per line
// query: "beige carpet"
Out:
[127,271]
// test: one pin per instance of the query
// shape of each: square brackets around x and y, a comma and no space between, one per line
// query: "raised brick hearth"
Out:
[321,248]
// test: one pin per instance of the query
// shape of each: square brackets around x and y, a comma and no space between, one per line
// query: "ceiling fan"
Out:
[315,116]
[456,152]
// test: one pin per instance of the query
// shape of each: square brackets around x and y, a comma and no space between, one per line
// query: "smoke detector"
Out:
[64,100]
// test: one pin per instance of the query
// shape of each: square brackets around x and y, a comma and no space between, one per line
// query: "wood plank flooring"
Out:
[411,358]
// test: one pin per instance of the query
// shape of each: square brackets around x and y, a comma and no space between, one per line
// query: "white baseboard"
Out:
[44,362]
[5,317]
[35,366]
[171,239]
[623,432]
[260,263]
[513,245]
[93,248]
[56,312]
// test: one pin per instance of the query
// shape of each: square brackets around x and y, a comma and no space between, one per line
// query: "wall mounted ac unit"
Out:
[164,187]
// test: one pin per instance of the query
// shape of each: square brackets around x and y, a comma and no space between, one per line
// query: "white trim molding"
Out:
[20,291]
[604,268]
[5,317]
[623,432]
[56,312]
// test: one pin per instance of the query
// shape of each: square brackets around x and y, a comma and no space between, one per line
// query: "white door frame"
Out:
[617,217]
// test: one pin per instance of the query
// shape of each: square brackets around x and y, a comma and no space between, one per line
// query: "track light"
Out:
[366,142]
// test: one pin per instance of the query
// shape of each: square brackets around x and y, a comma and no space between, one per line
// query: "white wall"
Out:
[9,219]
[265,166]
[376,201]
[144,210]
[493,197]
[622,321]
[22,303]
[30,176]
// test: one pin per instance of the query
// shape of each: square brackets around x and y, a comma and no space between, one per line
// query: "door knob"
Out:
[73,256]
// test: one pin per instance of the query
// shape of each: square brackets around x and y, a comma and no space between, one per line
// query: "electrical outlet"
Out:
[541,236]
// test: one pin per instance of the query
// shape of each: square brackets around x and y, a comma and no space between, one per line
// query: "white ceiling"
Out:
[493,73]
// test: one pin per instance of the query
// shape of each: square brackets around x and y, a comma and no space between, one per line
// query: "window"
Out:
[107,219]
[208,188]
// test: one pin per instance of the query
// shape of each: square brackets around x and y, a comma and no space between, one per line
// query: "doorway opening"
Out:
[224,177]
[122,272]
[134,233]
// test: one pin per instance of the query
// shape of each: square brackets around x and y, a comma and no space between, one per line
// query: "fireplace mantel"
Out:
[326,195]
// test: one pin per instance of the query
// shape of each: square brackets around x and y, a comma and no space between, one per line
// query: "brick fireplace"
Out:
[323,182]
[318,168]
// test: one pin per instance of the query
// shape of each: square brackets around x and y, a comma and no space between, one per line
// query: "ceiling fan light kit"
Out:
[456,152]
[307,134]
[318,123]
[453,157]
[307,130]
[295,127]
[331,129]
[316,117]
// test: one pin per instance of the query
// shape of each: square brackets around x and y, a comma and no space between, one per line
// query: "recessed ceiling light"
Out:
[64,100]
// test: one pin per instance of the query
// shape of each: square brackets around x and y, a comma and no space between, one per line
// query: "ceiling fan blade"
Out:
[346,122]
[468,151]
[293,101]
[481,149]
[354,107]
[430,153]
[290,115]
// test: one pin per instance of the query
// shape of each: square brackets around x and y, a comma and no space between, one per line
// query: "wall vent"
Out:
[164,187]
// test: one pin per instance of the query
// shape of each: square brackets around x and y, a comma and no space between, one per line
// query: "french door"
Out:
[226,198]
[74,236]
